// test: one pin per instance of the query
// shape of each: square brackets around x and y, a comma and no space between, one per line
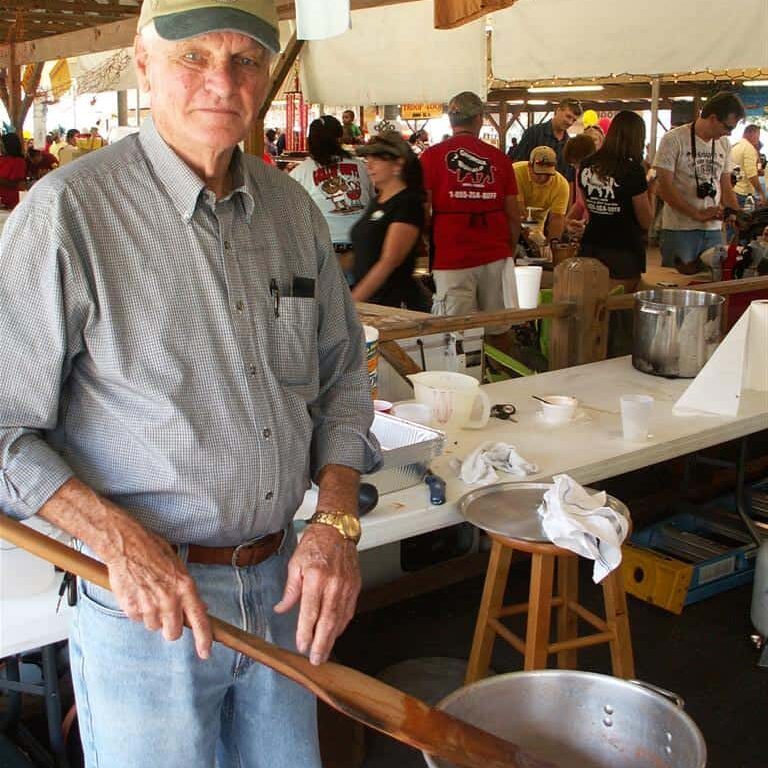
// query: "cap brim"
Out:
[203,21]
[376,149]
[549,170]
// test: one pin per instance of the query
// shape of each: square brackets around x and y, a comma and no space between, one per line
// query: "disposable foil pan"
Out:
[407,449]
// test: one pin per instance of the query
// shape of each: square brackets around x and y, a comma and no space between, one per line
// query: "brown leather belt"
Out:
[241,556]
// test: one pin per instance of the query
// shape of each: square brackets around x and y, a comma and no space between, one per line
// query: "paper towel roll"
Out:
[739,363]
[756,370]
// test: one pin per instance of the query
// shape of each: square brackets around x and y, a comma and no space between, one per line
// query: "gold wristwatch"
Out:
[347,525]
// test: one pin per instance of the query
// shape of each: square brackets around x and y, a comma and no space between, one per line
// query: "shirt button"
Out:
[252,369]
[267,433]
[268,495]
[240,306]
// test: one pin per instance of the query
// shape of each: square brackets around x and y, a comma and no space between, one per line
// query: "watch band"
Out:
[346,524]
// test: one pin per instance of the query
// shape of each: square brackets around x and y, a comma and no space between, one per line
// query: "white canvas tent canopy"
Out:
[536,40]
[393,55]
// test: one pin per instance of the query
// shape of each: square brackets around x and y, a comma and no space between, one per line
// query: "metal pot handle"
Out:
[652,310]
[676,699]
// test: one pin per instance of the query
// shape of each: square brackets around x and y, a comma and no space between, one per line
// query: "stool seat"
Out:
[536,647]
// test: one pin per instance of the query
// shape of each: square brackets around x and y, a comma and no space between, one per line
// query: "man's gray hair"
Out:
[148,33]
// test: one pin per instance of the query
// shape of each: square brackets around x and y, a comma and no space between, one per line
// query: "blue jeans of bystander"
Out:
[686,244]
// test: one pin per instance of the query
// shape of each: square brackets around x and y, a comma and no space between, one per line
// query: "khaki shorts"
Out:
[464,291]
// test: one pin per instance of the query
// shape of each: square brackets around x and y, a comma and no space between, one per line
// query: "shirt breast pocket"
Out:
[293,339]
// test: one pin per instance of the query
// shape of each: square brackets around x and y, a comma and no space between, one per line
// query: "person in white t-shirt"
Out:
[337,182]
[693,167]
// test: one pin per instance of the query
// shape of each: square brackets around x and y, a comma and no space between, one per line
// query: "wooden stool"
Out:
[536,647]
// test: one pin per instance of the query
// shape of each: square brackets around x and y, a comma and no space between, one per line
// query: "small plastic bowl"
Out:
[415,412]
[559,409]
[382,406]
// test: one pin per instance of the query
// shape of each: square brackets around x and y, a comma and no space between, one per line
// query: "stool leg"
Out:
[539,611]
[567,621]
[490,605]
[617,618]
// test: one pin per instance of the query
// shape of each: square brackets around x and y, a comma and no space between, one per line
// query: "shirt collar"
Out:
[549,132]
[181,183]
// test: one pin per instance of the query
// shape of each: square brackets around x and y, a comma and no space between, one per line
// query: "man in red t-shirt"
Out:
[472,194]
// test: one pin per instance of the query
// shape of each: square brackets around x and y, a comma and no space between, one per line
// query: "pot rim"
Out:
[645,297]
[569,674]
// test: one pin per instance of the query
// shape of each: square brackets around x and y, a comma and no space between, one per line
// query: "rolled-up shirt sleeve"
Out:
[38,339]
[343,410]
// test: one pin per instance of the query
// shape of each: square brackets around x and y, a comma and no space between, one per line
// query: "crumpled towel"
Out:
[480,466]
[584,524]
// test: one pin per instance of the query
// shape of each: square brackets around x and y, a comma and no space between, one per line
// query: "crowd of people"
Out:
[597,189]
[22,163]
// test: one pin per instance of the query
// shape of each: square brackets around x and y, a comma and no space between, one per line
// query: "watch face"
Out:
[351,526]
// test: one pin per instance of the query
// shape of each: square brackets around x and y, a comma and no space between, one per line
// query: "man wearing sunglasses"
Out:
[693,167]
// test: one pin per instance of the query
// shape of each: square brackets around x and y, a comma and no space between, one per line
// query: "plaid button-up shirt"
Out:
[142,350]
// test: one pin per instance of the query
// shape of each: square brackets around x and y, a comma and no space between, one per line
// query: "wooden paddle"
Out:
[358,696]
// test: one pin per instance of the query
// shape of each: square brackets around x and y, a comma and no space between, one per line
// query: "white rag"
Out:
[584,524]
[480,466]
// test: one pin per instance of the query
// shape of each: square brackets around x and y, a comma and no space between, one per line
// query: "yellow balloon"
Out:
[590,118]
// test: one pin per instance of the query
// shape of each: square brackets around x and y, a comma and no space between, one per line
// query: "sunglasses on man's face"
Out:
[726,127]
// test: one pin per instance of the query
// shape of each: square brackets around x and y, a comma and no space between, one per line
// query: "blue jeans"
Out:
[686,244]
[145,703]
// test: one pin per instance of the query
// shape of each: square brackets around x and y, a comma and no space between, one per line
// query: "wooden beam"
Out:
[45,6]
[280,71]
[106,37]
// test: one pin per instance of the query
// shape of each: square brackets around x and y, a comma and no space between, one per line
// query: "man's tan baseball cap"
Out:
[181,19]
[544,160]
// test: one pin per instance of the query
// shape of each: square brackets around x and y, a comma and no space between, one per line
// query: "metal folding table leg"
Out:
[53,704]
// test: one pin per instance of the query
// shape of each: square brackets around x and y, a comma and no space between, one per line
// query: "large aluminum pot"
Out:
[582,720]
[675,331]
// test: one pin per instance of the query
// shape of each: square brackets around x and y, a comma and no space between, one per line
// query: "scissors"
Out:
[504,411]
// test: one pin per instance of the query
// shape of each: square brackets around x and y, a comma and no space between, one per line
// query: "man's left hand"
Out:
[324,575]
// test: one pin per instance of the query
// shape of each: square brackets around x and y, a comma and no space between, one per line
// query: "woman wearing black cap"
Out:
[336,181]
[387,238]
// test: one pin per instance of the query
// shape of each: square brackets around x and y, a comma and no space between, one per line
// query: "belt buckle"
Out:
[236,553]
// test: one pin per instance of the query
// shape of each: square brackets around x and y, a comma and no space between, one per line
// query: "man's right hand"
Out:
[152,586]
[708,214]
[149,581]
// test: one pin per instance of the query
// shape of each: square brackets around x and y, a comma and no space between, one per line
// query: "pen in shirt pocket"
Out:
[274,292]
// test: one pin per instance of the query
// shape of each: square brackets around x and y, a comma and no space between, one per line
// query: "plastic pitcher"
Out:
[456,400]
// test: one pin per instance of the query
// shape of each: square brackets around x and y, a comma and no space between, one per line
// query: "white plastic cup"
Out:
[528,282]
[636,416]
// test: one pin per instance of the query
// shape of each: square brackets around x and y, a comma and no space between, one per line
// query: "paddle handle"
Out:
[290,664]
[365,699]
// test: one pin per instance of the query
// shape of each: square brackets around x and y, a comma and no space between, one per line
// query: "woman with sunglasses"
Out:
[387,238]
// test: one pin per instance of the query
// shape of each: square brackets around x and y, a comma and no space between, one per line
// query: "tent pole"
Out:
[655,90]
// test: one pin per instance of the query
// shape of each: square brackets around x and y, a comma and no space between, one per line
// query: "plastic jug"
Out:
[454,398]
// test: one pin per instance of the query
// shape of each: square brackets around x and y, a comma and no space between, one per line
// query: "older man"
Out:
[180,360]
